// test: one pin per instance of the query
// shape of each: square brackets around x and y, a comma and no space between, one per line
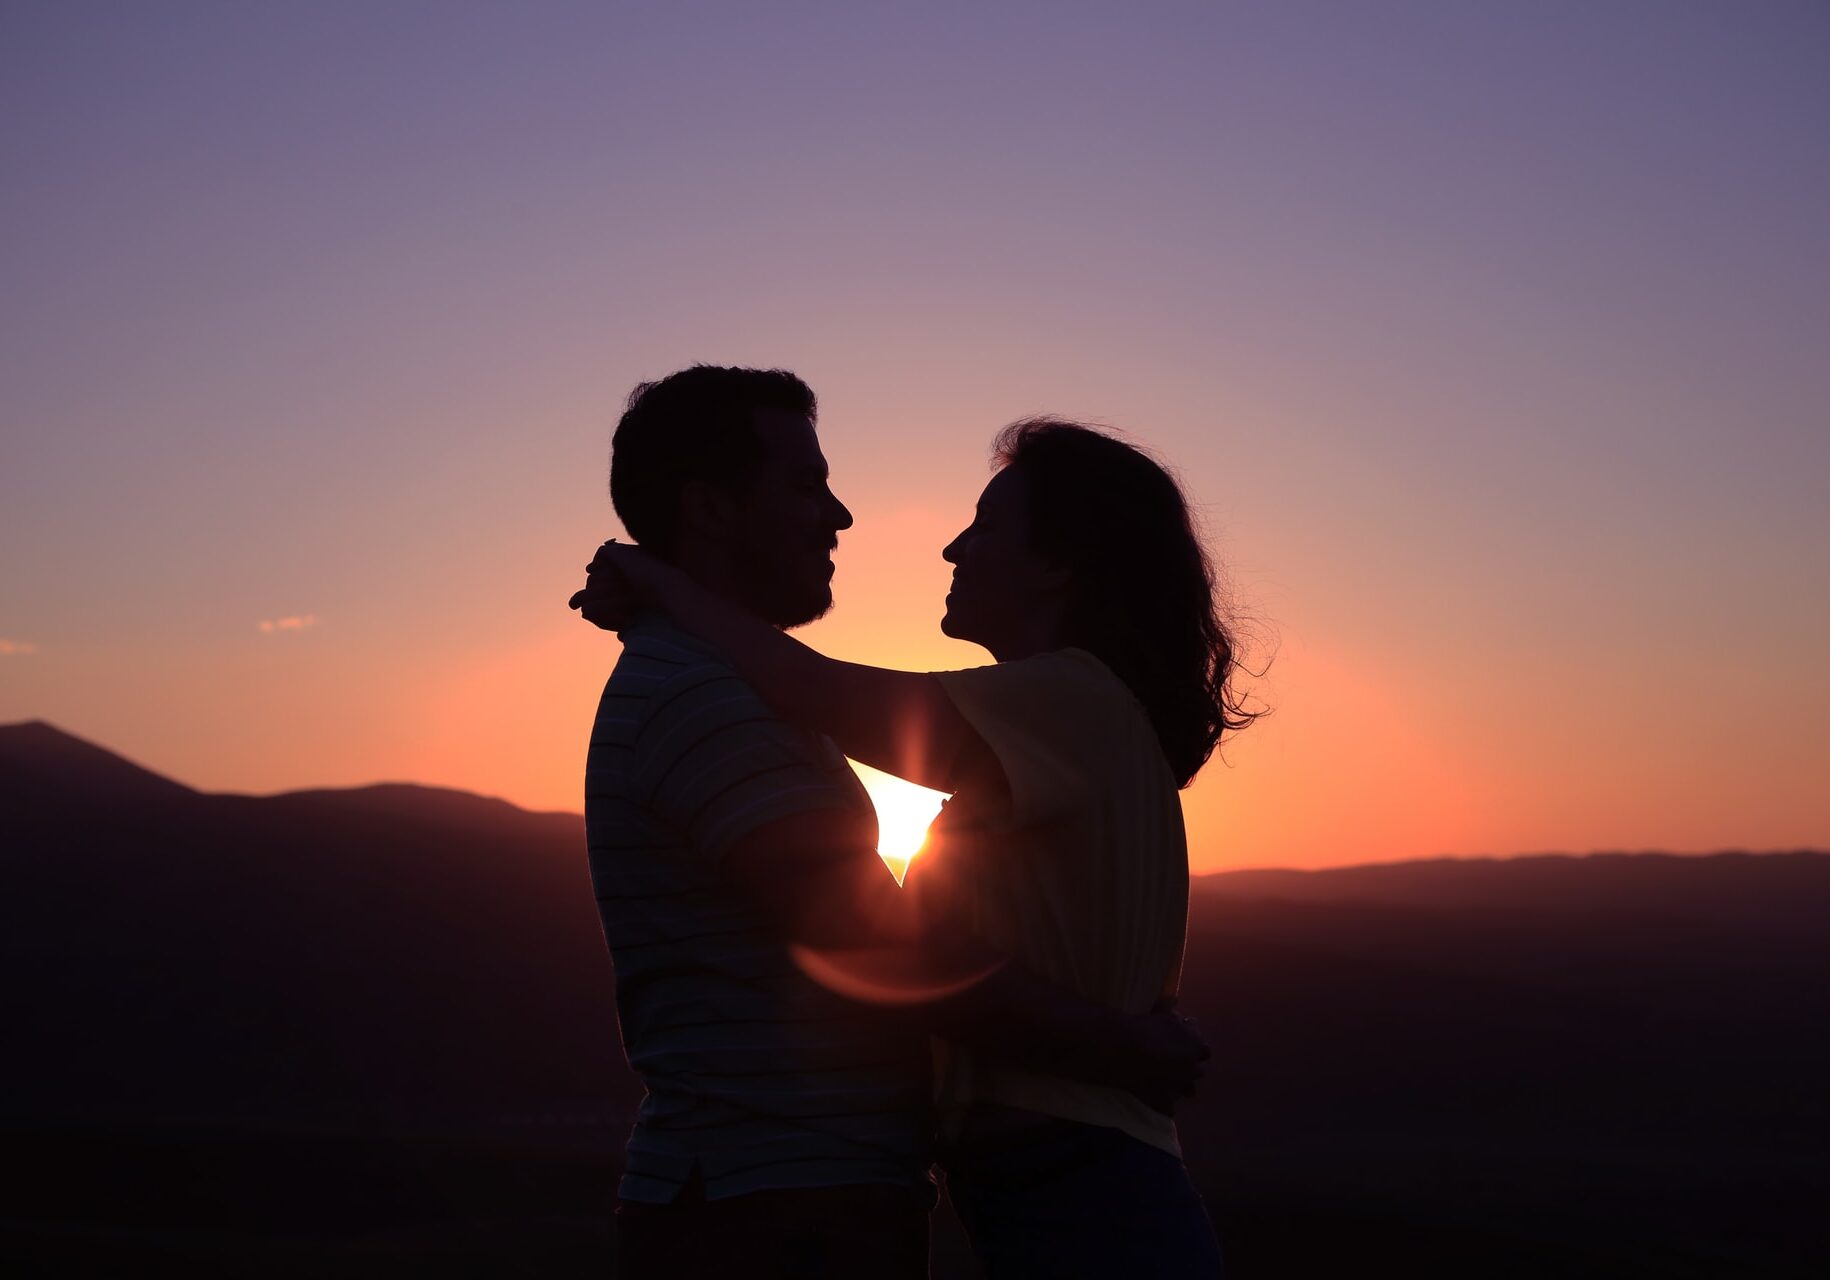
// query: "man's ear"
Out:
[707,511]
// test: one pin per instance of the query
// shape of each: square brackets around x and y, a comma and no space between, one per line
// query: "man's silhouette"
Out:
[785,1127]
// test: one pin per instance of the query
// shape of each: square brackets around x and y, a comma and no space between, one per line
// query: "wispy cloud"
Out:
[15,648]
[298,622]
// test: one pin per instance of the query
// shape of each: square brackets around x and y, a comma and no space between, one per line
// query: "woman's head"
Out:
[1084,541]
[1005,594]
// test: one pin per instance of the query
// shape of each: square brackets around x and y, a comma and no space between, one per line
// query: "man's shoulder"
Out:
[659,660]
[654,643]
[667,680]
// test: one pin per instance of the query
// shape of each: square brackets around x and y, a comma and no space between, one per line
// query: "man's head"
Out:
[719,470]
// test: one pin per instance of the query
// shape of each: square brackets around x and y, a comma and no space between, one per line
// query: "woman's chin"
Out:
[956,627]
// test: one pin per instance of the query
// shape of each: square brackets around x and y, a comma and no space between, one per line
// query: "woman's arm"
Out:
[901,722]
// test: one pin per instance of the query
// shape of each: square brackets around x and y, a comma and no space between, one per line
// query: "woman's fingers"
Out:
[604,559]
[605,602]
[1188,1025]
[618,581]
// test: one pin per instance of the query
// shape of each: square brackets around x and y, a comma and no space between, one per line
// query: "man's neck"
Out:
[714,571]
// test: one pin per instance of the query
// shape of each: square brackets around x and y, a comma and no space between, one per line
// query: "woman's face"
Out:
[1004,595]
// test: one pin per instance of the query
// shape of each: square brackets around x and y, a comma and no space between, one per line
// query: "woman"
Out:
[1062,845]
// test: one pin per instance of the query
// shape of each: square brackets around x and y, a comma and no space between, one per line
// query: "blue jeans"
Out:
[1058,1199]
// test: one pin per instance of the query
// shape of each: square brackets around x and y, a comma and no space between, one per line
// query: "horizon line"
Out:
[39,723]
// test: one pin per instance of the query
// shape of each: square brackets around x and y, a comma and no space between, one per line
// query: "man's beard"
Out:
[780,596]
[792,618]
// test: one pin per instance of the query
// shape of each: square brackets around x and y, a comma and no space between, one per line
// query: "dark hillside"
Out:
[1511,1063]
[331,957]
[370,1032]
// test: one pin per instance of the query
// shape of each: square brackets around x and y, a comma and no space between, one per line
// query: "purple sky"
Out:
[1491,339]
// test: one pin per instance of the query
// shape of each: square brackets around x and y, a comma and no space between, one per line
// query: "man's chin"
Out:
[810,608]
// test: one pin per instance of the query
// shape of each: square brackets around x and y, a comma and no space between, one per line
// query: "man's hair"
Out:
[697,424]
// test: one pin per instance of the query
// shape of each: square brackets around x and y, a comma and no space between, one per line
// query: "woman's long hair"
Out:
[1141,592]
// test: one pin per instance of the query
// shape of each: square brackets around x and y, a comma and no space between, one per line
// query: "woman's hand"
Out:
[620,582]
[1165,1057]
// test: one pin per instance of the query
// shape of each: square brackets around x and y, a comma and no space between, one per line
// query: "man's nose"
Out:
[841,514]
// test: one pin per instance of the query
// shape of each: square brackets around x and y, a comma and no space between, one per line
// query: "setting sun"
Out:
[904,811]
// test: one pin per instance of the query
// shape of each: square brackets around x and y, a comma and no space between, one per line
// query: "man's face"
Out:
[788,525]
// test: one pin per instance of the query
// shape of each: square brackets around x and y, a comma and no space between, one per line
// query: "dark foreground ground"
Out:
[365,1034]
[224,1205]
[1440,1092]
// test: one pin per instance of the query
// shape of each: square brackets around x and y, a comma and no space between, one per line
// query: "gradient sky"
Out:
[1490,339]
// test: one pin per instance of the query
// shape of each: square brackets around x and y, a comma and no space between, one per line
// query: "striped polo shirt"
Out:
[757,1076]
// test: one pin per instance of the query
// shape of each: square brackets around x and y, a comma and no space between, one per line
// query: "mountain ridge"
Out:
[56,755]
[63,761]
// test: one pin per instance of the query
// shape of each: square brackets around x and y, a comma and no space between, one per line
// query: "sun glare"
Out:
[904,811]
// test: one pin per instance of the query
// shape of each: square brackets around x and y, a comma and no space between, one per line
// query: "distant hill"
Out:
[364,1031]
[1767,890]
[41,759]
[389,954]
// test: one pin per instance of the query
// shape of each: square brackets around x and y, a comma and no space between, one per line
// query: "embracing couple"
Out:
[813,1037]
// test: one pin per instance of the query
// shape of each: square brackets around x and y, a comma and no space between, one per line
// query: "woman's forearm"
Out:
[791,677]
[901,722]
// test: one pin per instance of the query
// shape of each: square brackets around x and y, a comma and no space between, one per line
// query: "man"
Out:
[785,1126]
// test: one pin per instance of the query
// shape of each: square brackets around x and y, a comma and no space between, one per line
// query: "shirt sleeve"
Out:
[713,762]
[1045,718]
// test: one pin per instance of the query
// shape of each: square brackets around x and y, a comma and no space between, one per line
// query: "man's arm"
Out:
[853,930]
